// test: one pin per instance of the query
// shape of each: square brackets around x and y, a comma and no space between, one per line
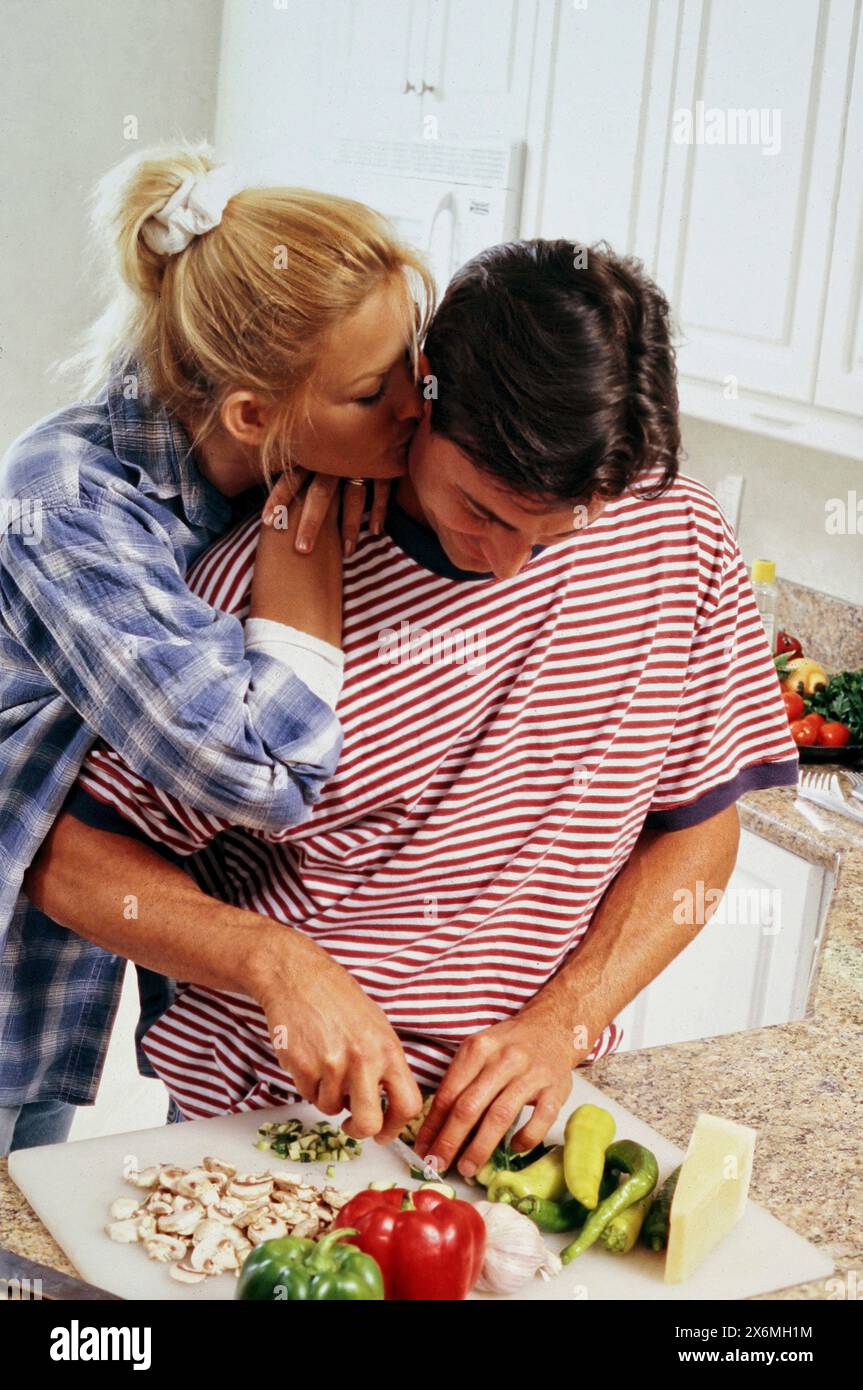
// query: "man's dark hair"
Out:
[555,371]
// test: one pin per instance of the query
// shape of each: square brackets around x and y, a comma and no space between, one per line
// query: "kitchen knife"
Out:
[22,1280]
[407,1155]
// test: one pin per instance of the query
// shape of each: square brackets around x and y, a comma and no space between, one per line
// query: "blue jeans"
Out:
[46,1122]
[39,1122]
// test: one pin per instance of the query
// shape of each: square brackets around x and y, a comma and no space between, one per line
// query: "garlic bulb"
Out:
[514,1250]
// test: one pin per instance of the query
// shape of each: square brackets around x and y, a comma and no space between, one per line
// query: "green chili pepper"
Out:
[654,1232]
[542,1179]
[623,1157]
[505,1160]
[553,1216]
[621,1233]
[566,1215]
[295,1269]
[589,1131]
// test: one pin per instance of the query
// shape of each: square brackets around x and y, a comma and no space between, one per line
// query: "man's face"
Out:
[481,524]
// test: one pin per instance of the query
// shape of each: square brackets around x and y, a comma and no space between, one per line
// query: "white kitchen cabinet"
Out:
[759,253]
[743,241]
[840,370]
[585,185]
[428,69]
[745,233]
[477,67]
[376,63]
[752,964]
[418,107]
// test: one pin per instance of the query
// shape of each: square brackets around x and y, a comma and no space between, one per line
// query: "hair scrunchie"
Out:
[192,209]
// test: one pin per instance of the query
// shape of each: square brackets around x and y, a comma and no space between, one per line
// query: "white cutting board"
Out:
[71,1186]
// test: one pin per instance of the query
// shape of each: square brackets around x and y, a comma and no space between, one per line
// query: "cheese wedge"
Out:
[711,1191]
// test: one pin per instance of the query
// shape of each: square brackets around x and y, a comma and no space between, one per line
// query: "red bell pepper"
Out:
[428,1246]
[788,646]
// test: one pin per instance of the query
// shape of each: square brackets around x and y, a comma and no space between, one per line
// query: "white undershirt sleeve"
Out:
[319,664]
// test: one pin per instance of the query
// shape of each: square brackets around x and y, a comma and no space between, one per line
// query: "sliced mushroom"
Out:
[185,1274]
[250,1214]
[227,1256]
[124,1232]
[243,1250]
[124,1207]
[221,1232]
[184,1218]
[198,1183]
[218,1165]
[170,1175]
[208,1229]
[336,1199]
[285,1201]
[285,1180]
[206,1219]
[251,1187]
[227,1209]
[166,1249]
[266,1228]
[145,1177]
[212,1255]
[160,1203]
[307,1227]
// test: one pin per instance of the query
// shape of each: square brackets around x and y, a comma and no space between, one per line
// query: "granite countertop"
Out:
[799,1084]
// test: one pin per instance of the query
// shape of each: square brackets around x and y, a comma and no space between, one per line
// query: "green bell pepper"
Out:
[292,1268]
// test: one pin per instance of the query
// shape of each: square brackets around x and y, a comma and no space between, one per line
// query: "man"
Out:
[490,876]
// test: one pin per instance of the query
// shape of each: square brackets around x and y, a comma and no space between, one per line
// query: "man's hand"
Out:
[336,1043]
[526,1060]
[634,934]
[319,493]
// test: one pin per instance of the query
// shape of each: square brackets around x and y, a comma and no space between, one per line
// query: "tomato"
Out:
[802,733]
[815,719]
[834,735]
[794,705]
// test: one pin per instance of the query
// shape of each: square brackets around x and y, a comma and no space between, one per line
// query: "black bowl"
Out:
[849,756]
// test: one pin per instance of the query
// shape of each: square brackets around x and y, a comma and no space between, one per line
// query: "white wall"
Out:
[782,514]
[268,122]
[72,71]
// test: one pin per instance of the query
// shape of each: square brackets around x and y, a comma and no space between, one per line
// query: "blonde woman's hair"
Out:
[249,304]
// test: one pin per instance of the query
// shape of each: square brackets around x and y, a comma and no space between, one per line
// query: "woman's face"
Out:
[363,404]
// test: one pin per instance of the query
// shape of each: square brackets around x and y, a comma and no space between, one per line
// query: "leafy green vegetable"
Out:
[841,700]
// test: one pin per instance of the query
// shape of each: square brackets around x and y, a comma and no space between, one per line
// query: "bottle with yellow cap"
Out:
[764,584]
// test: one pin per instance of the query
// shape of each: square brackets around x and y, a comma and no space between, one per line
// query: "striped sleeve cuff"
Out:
[749,779]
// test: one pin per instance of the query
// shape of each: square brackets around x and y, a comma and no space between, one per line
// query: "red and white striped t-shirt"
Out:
[505,743]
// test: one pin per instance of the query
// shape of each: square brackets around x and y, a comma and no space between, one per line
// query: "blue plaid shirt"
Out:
[103,510]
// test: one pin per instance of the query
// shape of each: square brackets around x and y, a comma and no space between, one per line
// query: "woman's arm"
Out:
[168,680]
[304,591]
[126,898]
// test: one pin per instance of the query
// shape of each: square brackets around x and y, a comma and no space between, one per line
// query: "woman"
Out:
[248,332]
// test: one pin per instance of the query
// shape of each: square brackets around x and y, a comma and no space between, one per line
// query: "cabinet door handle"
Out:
[426,87]
[775,420]
[408,87]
